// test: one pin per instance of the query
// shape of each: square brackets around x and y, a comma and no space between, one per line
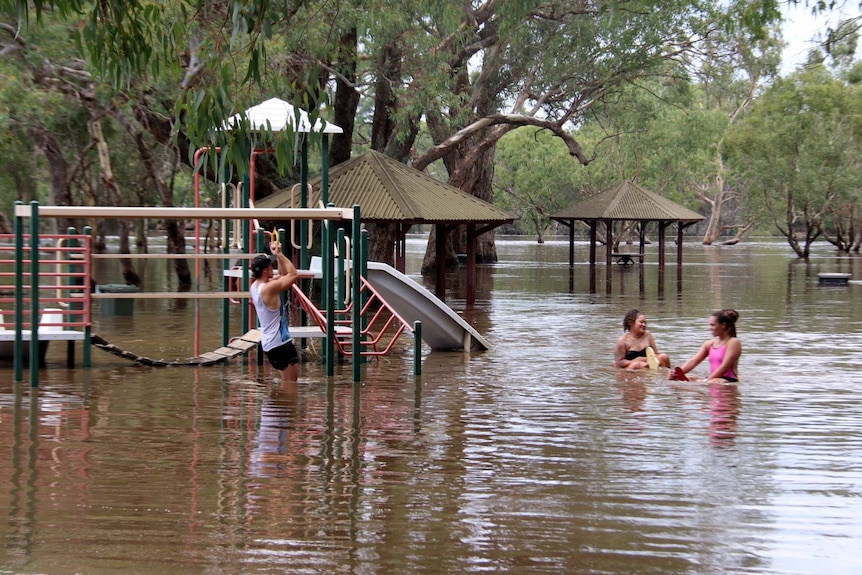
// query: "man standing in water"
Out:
[271,313]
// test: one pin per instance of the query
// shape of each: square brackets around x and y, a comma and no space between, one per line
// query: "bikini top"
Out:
[633,354]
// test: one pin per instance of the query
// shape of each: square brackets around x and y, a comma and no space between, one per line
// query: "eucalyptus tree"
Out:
[473,71]
[797,154]
[535,177]
[52,105]
[730,75]
[546,66]
[659,133]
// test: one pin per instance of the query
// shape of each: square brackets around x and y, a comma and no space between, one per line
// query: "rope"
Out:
[237,346]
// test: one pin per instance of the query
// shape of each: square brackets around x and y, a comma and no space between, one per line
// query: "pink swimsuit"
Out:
[716,356]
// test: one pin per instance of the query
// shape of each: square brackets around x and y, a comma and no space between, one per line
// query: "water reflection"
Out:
[633,389]
[536,457]
[724,407]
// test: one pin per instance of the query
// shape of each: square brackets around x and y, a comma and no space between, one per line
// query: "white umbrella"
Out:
[277,115]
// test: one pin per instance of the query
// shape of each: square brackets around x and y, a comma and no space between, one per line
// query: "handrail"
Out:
[293,241]
[393,326]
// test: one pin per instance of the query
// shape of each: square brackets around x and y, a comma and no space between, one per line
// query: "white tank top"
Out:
[273,322]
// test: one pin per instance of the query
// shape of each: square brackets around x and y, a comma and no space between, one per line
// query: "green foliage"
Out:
[659,138]
[646,87]
[213,54]
[797,153]
[535,177]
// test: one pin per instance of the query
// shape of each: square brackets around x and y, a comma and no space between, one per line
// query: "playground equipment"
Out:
[344,262]
[83,261]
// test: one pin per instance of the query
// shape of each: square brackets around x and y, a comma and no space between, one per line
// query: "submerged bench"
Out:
[46,334]
[49,330]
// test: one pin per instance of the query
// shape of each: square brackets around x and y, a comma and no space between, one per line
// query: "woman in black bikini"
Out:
[635,347]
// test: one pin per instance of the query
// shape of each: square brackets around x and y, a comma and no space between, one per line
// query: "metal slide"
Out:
[442,328]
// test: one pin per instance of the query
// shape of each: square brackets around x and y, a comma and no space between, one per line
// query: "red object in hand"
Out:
[677,375]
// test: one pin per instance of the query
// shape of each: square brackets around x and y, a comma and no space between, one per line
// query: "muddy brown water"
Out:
[535,457]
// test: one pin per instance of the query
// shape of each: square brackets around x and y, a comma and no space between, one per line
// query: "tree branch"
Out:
[516,120]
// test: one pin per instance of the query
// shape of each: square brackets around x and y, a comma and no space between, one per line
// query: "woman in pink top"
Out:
[723,351]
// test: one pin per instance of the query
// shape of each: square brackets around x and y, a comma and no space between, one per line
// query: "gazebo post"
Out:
[662,249]
[471,264]
[642,238]
[609,246]
[679,229]
[401,247]
[642,252]
[440,251]
[593,239]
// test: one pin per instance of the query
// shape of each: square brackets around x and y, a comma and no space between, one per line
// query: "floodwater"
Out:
[535,457]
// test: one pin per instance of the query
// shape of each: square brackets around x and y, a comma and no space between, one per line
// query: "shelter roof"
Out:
[628,201]
[388,190]
[277,115]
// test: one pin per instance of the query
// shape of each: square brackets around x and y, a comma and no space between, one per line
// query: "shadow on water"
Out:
[534,457]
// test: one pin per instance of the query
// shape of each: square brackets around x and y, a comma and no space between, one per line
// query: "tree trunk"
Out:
[175,237]
[346,98]
[713,227]
[381,242]
[383,237]
[107,176]
[474,174]
[61,192]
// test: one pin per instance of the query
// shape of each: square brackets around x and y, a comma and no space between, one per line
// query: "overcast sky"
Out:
[801,30]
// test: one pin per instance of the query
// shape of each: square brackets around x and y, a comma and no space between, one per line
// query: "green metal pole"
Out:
[328,295]
[324,170]
[340,275]
[226,200]
[417,347]
[363,263]
[303,203]
[356,279]
[247,243]
[34,294]
[18,351]
[87,356]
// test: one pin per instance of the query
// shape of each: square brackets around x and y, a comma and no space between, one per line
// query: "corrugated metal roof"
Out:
[628,201]
[387,190]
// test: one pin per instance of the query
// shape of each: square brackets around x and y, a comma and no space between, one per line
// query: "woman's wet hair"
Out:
[728,317]
[629,319]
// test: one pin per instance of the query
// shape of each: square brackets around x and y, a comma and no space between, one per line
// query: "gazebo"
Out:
[389,191]
[627,202]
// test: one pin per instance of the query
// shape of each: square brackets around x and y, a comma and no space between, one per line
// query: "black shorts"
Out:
[282,356]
